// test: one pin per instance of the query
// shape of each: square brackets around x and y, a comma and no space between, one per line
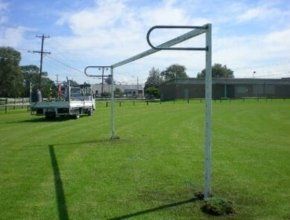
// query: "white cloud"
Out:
[267,52]
[164,15]
[108,25]
[253,13]
[12,36]
[9,36]
[89,21]
[113,28]
[265,11]
[278,41]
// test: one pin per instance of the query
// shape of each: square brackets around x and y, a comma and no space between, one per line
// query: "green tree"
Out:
[48,87]
[218,71]
[118,93]
[152,92]
[11,79]
[173,72]
[31,75]
[152,84]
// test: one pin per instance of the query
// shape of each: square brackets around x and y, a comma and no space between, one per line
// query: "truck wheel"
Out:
[90,112]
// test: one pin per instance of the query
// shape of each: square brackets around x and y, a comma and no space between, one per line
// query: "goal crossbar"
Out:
[195,32]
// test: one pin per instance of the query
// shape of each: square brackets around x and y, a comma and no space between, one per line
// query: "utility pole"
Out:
[41,52]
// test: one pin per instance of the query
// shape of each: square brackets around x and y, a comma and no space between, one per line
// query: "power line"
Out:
[55,70]
[59,62]
[65,64]
[60,56]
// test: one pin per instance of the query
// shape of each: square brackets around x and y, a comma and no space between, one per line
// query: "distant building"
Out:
[136,91]
[226,88]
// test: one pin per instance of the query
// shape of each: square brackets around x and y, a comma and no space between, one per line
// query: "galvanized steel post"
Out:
[208,113]
[112,105]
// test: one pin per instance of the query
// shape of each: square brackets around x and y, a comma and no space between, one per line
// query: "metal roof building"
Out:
[226,88]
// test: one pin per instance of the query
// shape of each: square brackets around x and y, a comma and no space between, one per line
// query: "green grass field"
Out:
[69,169]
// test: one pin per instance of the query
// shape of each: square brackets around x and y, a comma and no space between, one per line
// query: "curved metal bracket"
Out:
[103,68]
[161,47]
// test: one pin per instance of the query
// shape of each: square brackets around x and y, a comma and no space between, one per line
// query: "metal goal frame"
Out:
[196,31]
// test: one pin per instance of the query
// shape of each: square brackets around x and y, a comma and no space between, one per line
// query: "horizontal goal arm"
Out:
[197,31]
[103,68]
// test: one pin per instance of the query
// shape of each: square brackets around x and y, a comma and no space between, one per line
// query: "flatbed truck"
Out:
[76,101]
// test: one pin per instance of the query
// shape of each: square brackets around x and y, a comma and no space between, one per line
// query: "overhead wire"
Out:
[64,64]
[56,63]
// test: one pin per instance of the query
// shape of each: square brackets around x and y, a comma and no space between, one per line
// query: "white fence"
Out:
[13,103]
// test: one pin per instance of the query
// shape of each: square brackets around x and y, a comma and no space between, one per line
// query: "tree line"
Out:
[17,81]
[178,72]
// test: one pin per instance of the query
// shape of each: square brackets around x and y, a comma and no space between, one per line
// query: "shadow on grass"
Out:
[43,119]
[94,141]
[38,120]
[97,142]
[90,143]
[61,204]
[154,209]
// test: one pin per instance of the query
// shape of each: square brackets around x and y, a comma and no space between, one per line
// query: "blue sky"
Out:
[248,36]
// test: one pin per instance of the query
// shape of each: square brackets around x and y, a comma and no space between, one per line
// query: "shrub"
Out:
[217,206]
[199,195]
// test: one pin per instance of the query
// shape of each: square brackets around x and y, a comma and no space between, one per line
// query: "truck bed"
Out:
[63,104]
[51,109]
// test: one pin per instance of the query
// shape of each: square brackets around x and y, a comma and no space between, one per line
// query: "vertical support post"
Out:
[68,95]
[68,92]
[112,105]
[208,113]
[30,92]
[225,91]
[102,88]
[6,103]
